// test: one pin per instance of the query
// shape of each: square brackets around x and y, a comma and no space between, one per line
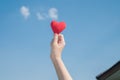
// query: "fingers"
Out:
[58,38]
[61,38]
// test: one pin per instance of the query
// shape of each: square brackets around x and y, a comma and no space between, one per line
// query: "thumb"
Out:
[55,39]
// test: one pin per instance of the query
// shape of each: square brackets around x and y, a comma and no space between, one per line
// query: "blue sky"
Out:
[92,37]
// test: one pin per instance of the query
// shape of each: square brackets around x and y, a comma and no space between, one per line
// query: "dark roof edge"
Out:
[109,72]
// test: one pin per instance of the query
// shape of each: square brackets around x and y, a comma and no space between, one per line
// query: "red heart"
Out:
[58,27]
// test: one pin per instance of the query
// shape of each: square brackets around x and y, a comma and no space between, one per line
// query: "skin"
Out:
[57,46]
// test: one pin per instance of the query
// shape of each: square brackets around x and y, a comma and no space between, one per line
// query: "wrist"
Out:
[55,58]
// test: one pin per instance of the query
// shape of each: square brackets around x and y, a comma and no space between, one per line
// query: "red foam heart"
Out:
[58,27]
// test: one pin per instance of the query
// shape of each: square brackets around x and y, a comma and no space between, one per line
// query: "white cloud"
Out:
[53,13]
[25,11]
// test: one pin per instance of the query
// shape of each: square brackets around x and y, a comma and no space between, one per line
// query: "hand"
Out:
[57,46]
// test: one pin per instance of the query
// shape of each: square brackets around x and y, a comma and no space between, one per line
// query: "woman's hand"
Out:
[57,46]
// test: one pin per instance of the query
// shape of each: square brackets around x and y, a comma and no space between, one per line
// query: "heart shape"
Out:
[58,27]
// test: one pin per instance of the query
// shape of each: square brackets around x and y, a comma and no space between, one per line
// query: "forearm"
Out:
[60,68]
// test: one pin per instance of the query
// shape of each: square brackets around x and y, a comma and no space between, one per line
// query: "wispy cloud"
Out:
[41,16]
[25,11]
[53,13]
